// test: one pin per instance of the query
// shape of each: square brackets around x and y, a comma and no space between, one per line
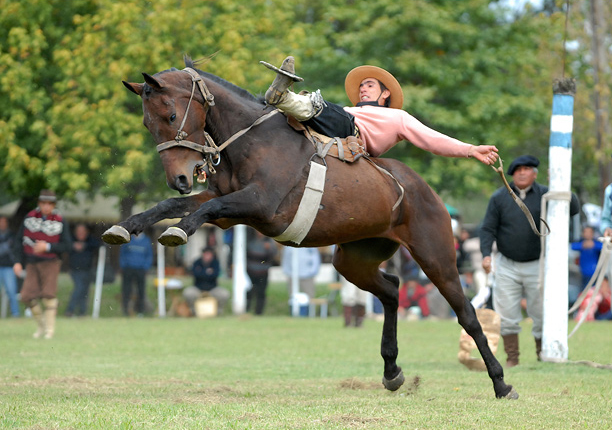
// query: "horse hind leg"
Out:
[449,285]
[359,263]
[435,254]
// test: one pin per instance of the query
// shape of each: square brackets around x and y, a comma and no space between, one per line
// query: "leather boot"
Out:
[538,343]
[282,81]
[37,313]
[50,313]
[511,346]
[359,312]
[348,315]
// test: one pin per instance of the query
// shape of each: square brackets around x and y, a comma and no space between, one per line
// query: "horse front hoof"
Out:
[512,395]
[173,236]
[395,383]
[116,235]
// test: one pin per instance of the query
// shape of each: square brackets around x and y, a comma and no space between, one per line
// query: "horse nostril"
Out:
[182,184]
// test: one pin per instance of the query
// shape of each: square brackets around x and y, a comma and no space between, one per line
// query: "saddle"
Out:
[348,149]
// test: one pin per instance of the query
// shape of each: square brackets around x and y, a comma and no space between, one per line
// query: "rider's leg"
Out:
[326,118]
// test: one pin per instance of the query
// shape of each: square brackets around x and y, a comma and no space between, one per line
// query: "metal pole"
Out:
[295,282]
[554,333]
[99,282]
[161,280]
[240,280]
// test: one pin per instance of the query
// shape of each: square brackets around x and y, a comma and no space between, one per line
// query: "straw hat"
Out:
[358,74]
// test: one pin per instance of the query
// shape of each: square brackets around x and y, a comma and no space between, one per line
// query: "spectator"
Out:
[309,263]
[205,271]
[600,309]
[589,254]
[413,298]
[518,260]
[260,253]
[605,223]
[82,256]
[135,260]
[7,276]
[42,238]
[353,301]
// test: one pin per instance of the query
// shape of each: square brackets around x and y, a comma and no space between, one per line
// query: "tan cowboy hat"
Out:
[358,74]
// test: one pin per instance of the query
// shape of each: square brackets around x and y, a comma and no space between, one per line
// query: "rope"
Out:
[597,279]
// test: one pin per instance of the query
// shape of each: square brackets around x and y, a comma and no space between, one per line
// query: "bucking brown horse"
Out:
[257,168]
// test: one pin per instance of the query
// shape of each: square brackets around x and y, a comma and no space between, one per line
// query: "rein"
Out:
[520,203]
[210,151]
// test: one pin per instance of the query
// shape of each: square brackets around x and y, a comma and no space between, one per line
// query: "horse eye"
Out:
[172,117]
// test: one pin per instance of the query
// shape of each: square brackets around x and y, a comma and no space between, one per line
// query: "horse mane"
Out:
[227,85]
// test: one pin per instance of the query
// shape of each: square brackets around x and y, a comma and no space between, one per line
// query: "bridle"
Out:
[211,153]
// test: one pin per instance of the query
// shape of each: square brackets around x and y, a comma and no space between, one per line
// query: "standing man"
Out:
[42,238]
[7,276]
[82,257]
[135,259]
[260,253]
[517,265]
[605,224]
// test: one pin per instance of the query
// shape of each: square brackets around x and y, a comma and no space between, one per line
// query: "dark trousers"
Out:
[333,121]
[257,292]
[129,277]
[80,293]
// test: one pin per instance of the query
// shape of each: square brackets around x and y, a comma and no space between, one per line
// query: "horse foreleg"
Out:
[246,205]
[170,208]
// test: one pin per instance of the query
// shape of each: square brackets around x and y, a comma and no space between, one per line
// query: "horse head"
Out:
[174,112]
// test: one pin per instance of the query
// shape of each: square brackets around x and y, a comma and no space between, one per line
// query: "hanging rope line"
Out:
[567,6]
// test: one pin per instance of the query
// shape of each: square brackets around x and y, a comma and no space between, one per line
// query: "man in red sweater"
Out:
[42,238]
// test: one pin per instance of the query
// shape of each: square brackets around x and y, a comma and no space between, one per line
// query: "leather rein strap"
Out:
[520,203]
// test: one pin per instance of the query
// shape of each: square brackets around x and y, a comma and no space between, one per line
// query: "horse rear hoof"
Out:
[512,395]
[395,383]
[116,235]
[173,236]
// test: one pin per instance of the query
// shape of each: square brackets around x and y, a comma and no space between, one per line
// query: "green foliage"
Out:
[467,70]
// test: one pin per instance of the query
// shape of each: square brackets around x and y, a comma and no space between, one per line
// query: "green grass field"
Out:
[277,372]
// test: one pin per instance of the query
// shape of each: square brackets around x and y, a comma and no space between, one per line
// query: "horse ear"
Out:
[135,88]
[152,81]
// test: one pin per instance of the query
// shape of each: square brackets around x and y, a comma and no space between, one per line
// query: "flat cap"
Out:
[523,160]
[47,196]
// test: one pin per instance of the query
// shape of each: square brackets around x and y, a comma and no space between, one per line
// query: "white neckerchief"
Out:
[523,193]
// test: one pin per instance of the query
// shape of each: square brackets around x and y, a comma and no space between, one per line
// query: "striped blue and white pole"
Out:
[555,294]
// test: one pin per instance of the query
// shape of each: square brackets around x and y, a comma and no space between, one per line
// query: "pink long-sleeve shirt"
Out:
[381,128]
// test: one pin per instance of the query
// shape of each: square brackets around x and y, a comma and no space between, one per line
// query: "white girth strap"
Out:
[308,208]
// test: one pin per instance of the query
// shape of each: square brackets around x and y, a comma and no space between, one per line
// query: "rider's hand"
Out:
[486,154]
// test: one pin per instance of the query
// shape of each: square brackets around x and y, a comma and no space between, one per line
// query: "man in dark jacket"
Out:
[42,238]
[135,259]
[517,266]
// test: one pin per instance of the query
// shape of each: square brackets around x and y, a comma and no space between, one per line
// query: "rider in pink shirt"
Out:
[377,117]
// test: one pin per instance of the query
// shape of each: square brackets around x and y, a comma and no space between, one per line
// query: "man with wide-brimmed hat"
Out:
[377,117]
[42,238]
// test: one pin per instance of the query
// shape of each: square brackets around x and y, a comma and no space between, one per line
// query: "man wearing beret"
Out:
[42,238]
[517,264]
